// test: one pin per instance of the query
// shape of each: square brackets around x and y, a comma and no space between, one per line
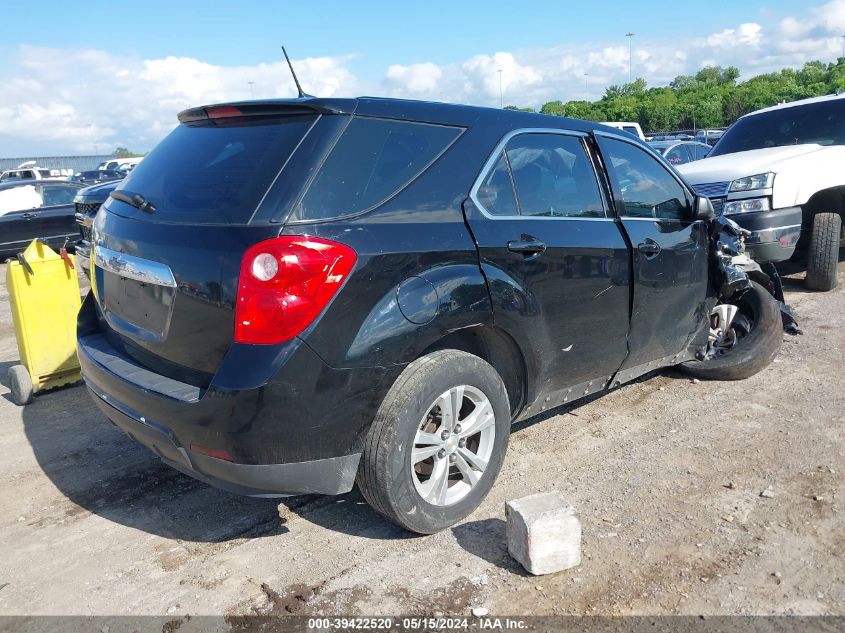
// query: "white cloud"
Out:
[69,101]
[414,79]
[63,101]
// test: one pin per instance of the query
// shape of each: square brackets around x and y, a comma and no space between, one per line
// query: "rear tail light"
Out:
[285,283]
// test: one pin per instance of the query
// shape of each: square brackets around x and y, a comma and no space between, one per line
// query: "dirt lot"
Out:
[666,475]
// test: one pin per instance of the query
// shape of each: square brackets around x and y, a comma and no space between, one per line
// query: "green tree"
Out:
[122,152]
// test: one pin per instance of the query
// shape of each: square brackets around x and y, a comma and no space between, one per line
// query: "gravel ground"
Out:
[666,474]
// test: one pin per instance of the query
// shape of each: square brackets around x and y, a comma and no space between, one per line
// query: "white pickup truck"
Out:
[778,172]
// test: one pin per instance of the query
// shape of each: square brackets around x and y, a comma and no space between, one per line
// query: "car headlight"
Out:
[749,205]
[750,183]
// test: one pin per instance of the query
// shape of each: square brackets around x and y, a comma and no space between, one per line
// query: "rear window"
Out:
[822,122]
[215,171]
[372,161]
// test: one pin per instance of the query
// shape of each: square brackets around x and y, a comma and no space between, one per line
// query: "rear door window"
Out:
[553,176]
[214,171]
[59,195]
[372,161]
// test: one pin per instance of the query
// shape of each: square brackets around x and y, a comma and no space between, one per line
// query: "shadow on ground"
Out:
[102,471]
[792,274]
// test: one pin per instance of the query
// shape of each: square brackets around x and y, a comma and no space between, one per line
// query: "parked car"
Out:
[86,203]
[36,209]
[95,176]
[777,172]
[632,128]
[31,171]
[679,152]
[709,137]
[121,164]
[287,295]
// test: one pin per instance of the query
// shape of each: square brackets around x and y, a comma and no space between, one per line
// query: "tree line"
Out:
[713,97]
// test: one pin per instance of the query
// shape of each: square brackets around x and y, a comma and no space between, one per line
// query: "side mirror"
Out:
[703,208]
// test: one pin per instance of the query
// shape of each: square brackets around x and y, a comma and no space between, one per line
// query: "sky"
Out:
[87,77]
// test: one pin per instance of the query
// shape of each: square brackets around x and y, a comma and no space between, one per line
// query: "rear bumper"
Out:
[774,234]
[330,476]
[290,423]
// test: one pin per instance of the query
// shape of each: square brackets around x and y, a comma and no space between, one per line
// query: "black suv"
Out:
[288,296]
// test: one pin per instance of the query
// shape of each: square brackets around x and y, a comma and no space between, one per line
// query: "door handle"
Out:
[528,246]
[29,216]
[649,248]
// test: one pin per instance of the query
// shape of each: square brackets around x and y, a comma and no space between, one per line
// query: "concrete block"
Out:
[544,533]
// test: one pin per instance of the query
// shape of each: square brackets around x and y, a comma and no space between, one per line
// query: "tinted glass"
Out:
[553,176]
[700,151]
[496,191]
[678,155]
[648,189]
[215,171]
[372,160]
[54,196]
[822,123]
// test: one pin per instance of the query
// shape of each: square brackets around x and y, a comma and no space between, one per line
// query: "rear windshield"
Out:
[822,123]
[215,171]
[372,160]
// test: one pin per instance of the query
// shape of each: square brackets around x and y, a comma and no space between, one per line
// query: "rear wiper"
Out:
[135,199]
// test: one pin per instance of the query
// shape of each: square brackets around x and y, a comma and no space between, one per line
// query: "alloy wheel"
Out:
[453,445]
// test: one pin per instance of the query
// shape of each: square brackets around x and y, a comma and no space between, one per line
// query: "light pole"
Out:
[501,94]
[843,46]
[630,37]
[586,93]
[251,91]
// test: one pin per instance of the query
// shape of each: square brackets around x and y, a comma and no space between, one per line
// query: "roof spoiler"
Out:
[257,108]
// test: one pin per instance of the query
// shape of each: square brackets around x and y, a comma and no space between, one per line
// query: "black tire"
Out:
[755,351]
[385,475]
[823,252]
[20,384]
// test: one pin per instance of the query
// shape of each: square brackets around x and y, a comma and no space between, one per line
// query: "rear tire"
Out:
[431,494]
[823,252]
[754,351]
[20,384]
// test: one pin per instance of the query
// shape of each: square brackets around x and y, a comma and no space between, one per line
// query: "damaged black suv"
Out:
[289,296]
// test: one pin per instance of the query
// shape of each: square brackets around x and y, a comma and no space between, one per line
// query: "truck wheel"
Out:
[20,384]
[745,336]
[823,252]
[437,442]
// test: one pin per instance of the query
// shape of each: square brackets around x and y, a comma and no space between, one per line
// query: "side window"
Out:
[678,155]
[553,176]
[372,160]
[55,196]
[648,189]
[496,191]
[701,151]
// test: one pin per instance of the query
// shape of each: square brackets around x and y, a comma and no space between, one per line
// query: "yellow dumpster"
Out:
[44,296]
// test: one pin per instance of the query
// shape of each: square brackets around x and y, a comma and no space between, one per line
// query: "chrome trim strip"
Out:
[491,161]
[132,267]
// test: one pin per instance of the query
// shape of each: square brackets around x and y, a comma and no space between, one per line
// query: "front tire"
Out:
[746,343]
[823,252]
[424,467]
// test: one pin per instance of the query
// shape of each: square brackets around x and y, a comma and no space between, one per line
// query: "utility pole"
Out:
[501,94]
[251,91]
[630,37]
